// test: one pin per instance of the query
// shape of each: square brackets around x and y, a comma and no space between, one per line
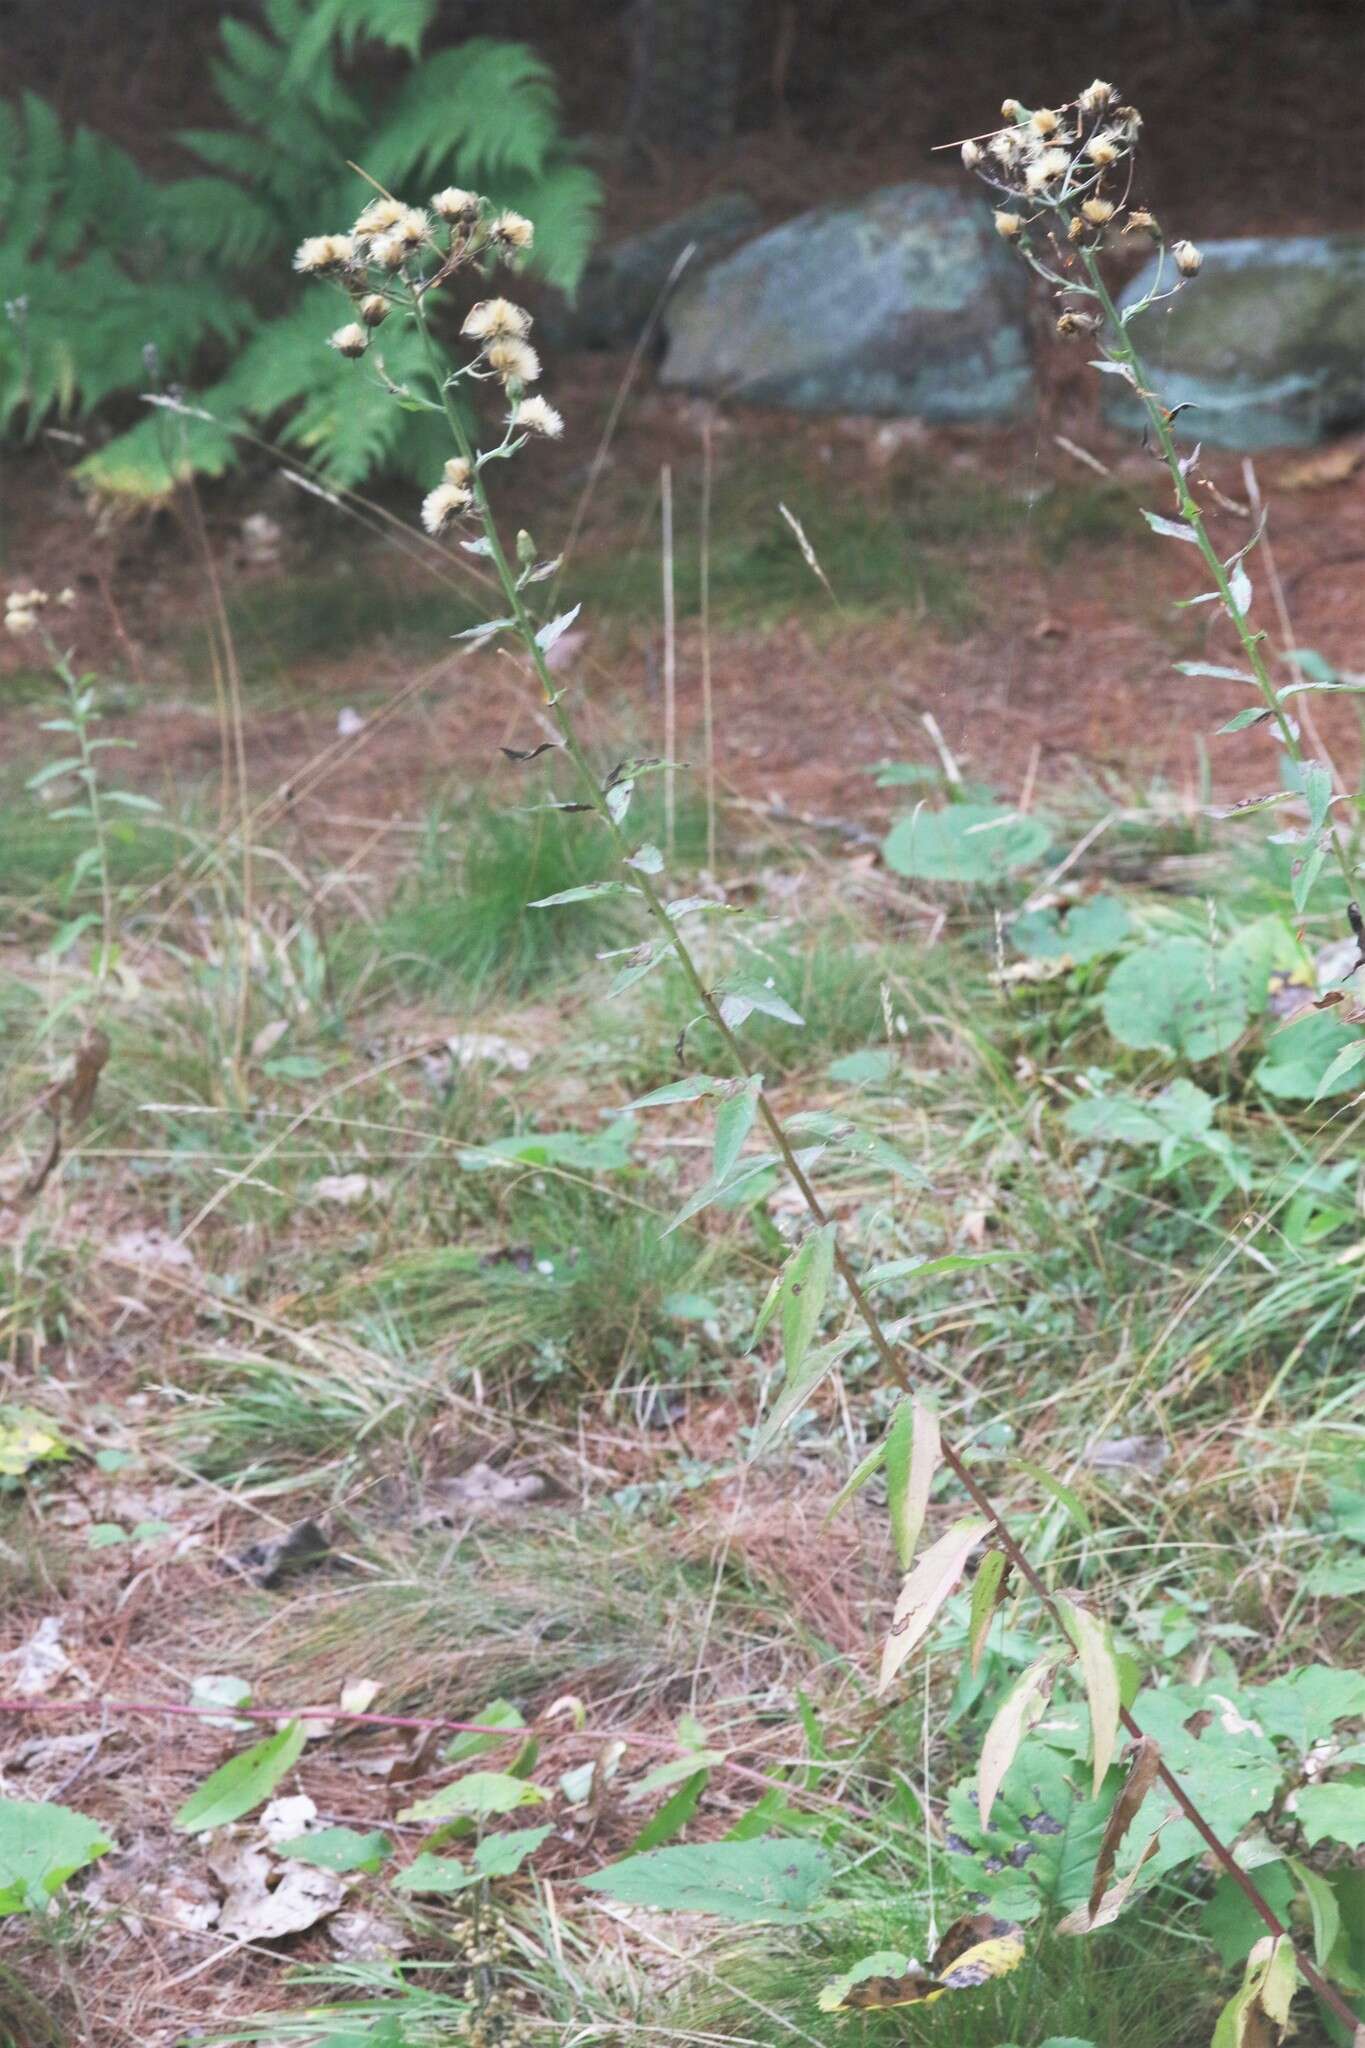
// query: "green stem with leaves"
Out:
[1121,350]
[892,1363]
[80,712]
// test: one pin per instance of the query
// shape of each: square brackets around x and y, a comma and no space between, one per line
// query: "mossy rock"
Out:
[1266,345]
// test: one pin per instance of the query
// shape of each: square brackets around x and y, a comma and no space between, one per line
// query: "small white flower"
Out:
[351,340]
[537,416]
[492,317]
[19,620]
[445,503]
[1189,261]
[453,204]
[513,360]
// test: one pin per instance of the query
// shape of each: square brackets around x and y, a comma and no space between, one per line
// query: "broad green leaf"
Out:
[1303,1060]
[1089,930]
[734,1121]
[41,1846]
[1099,1668]
[503,1855]
[497,1714]
[1334,1812]
[338,1849]
[243,1782]
[673,1815]
[1342,1068]
[924,1591]
[740,997]
[477,1794]
[1322,1904]
[913,1449]
[1177,996]
[1231,1922]
[1022,1706]
[987,1588]
[964,843]
[741,1881]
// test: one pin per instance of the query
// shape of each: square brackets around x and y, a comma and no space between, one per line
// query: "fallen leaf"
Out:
[360,1936]
[41,1662]
[480,1487]
[265,1899]
[284,1818]
[268,1562]
[1334,466]
[187,1900]
[346,1188]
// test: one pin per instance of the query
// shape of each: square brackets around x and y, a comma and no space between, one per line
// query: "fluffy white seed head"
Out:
[374,309]
[1096,97]
[1047,169]
[1097,211]
[1104,149]
[513,360]
[379,216]
[1189,261]
[390,252]
[1008,225]
[494,317]
[535,415]
[456,473]
[443,505]
[351,340]
[971,154]
[1044,121]
[452,203]
[511,231]
[323,255]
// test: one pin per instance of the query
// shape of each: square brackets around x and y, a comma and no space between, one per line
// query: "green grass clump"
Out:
[283,621]
[38,854]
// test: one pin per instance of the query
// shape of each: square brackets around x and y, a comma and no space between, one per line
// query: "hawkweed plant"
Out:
[1056,169]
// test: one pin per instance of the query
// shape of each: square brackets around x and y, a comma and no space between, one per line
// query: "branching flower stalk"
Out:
[391,261]
[1066,176]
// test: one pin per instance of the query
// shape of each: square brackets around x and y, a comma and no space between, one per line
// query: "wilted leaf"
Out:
[1103,1910]
[1141,1777]
[243,1782]
[41,1846]
[924,1591]
[741,1881]
[974,1950]
[1021,1707]
[1258,2015]
[1099,1668]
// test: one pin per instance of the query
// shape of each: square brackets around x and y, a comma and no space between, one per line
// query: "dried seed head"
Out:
[493,317]
[444,504]
[1138,220]
[513,360]
[351,340]
[1005,147]
[20,620]
[1189,261]
[1127,120]
[1047,169]
[1104,149]
[1008,224]
[971,154]
[1044,121]
[453,204]
[1097,211]
[412,228]
[373,309]
[511,231]
[390,252]
[537,416]
[323,255]
[1096,97]
[1011,110]
[456,473]
[1077,323]
[379,216]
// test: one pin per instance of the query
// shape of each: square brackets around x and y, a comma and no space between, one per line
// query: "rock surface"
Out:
[1268,342]
[623,281]
[904,302]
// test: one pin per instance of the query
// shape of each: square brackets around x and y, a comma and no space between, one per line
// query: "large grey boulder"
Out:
[1268,342]
[905,302]
[623,281]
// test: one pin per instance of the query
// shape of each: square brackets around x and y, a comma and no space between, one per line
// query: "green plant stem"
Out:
[1121,350]
[886,1352]
[90,777]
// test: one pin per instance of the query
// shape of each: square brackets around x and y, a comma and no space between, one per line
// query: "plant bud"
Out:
[373,309]
[1189,261]
[351,340]
[1008,224]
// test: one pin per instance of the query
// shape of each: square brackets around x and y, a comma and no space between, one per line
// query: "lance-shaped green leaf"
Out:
[1322,1904]
[734,1121]
[554,629]
[924,1591]
[715,1190]
[930,1269]
[1172,528]
[1022,1705]
[691,1088]
[243,1782]
[1100,1671]
[913,1447]
[987,1590]
[857,1479]
[798,1387]
[583,893]
[798,1296]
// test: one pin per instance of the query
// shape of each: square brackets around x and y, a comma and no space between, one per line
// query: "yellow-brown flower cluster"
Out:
[1068,167]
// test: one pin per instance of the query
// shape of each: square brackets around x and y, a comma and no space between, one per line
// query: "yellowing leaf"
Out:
[912,1458]
[925,1589]
[26,1438]
[1259,2013]
[1020,1708]
[1099,1668]
[974,1950]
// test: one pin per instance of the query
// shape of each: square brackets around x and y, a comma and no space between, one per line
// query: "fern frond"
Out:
[211,219]
[477,112]
[400,24]
[145,464]
[564,203]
